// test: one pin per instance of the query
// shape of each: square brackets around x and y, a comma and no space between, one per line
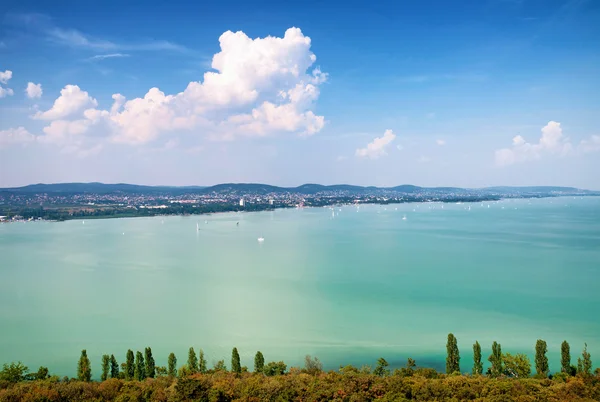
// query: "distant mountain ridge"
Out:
[258,188]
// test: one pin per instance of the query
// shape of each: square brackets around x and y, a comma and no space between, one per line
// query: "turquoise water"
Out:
[347,288]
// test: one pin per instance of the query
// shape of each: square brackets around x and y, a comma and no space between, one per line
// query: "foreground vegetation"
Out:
[139,379]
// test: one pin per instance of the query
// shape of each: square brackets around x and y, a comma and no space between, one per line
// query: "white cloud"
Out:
[33,90]
[4,78]
[590,145]
[552,141]
[71,101]
[99,57]
[260,87]
[440,142]
[14,136]
[377,147]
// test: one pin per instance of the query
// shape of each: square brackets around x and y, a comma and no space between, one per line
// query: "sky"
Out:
[467,93]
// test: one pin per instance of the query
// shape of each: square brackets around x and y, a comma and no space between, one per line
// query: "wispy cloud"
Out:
[99,57]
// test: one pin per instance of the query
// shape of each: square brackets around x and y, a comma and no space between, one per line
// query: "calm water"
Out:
[348,289]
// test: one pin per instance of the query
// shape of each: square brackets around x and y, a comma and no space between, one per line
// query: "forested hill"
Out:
[257,188]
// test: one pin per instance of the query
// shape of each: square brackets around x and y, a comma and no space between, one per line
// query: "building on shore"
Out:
[242,202]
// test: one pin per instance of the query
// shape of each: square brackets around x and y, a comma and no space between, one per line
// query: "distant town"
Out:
[97,200]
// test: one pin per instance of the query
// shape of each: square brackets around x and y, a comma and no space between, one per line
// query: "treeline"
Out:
[139,378]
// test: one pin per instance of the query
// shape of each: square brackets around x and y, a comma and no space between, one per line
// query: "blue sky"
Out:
[464,93]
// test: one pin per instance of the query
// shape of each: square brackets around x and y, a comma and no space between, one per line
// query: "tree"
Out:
[150,367]
[452,355]
[114,367]
[105,367]
[275,368]
[312,365]
[477,365]
[84,367]
[129,365]
[139,372]
[565,357]
[496,360]
[41,374]
[381,368]
[201,362]
[236,367]
[192,362]
[517,366]
[541,360]
[172,370]
[161,371]
[220,366]
[14,372]
[584,363]
[259,362]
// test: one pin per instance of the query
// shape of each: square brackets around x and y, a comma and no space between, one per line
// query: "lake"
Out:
[348,285]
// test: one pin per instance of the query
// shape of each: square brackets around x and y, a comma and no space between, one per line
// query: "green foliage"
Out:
[220,366]
[565,357]
[452,355]
[312,365]
[105,367]
[192,362]
[202,367]
[236,367]
[408,370]
[541,360]
[114,367]
[13,372]
[275,368]
[349,369]
[496,360]
[150,366]
[84,367]
[259,362]
[161,371]
[477,364]
[172,368]
[584,363]
[139,372]
[517,366]
[41,374]
[129,365]
[381,369]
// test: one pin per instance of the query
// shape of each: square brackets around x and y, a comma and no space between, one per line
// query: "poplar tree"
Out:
[259,362]
[114,367]
[453,355]
[541,360]
[129,365]
[477,365]
[565,357]
[150,367]
[201,362]
[84,367]
[235,361]
[496,360]
[584,363]
[192,361]
[105,367]
[140,371]
[172,370]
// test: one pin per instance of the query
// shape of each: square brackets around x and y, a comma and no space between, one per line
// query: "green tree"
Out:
[381,369]
[517,366]
[312,365]
[452,355]
[201,362]
[140,370]
[150,367]
[477,364]
[192,362]
[259,362]
[105,367]
[565,357]
[274,368]
[84,367]
[41,374]
[236,367]
[114,367]
[220,366]
[584,363]
[172,370]
[541,360]
[13,372]
[129,365]
[496,360]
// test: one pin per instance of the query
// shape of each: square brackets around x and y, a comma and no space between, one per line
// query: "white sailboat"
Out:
[404,218]
[197,227]
[261,239]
